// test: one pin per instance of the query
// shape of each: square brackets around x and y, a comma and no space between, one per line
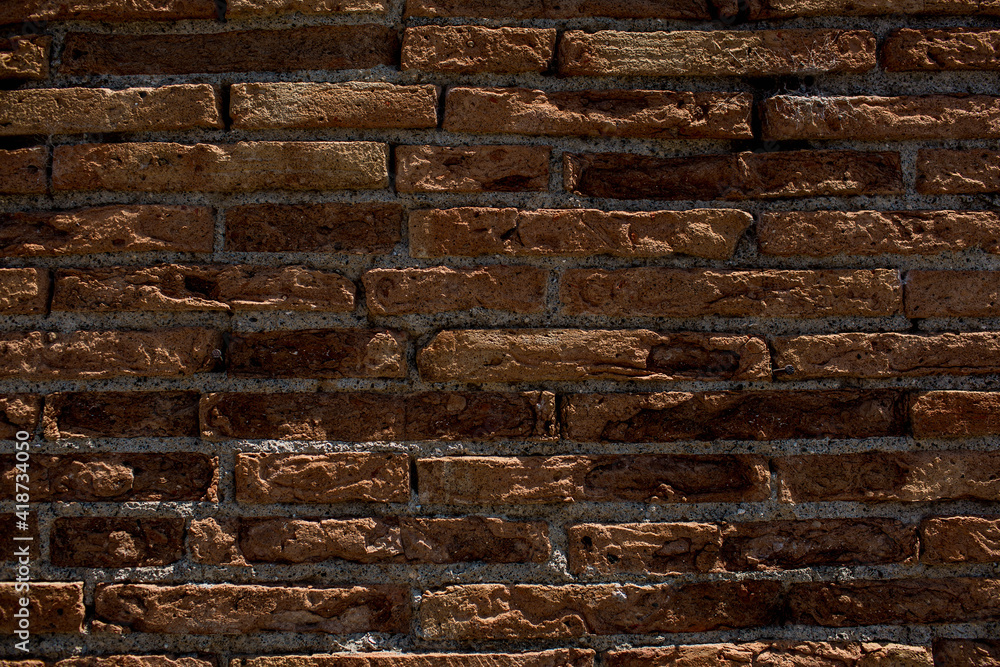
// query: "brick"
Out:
[227,609]
[515,289]
[715,53]
[322,478]
[777,9]
[16,11]
[971,171]
[24,291]
[132,414]
[643,548]
[593,113]
[869,233]
[22,171]
[107,229]
[842,654]
[91,355]
[116,542]
[495,611]
[215,542]
[894,602]
[8,530]
[176,287]
[474,538]
[361,228]
[535,9]
[960,652]
[329,353]
[561,657]
[472,168]
[485,480]
[469,49]
[19,412]
[889,476]
[734,415]
[735,177]
[266,106]
[260,8]
[474,232]
[886,355]
[952,294]
[302,48]
[940,49]
[667,292]
[119,477]
[134,661]
[241,167]
[960,539]
[372,416]
[529,355]
[25,57]
[80,110]
[54,607]
[955,414]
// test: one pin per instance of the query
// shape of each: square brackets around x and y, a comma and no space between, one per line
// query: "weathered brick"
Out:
[260,8]
[474,538]
[962,652]
[842,654]
[734,415]
[215,542]
[134,661]
[952,294]
[265,106]
[537,9]
[778,9]
[54,607]
[361,228]
[227,609]
[19,412]
[739,176]
[643,548]
[887,355]
[667,292]
[24,291]
[473,232]
[22,171]
[829,233]
[107,229]
[302,48]
[9,529]
[472,168]
[79,110]
[894,602]
[955,414]
[372,416]
[241,167]
[116,542]
[960,539]
[560,657]
[516,289]
[941,49]
[592,113]
[91,355]
[889,476]
[132,414]
[485,480]
[529,355]
[327,353]
[16,11]
[468,49]
[495,611]
[322,478]
[970,171]
[715,53]
[25,57]
[119,477]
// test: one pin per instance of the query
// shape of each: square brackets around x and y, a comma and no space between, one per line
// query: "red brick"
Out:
[536,9]
[469,49]
[560,657]
[889,476]
[780,653]
[643,548]
[955,414]
[361,228]
[22,171]
[472,168]
[941,49]
[592,113]
[54,607]
[261,8]
[812,173]
[516,289]
[327,353]
[952,294]
[25,57]
[964,652]
[302,48]
[24,291]
[474,232]
[133,414]
[16,11]
[116,542]
[19,412]
[322,478]
[960,539]
[942,172]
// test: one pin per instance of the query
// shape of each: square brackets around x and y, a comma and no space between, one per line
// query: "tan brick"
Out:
[887,355]
[842,654]
[592,113]
[960,539]
[322,478]
[734,415]
[107,229]
[941,49]
[735,177]
[952,294]
[321,353]
[715,53]
[128,414]
[25,57]
[533,9]
[227,609]
[19,412]
[560,657]
[265,106]
[215,542]
[485,480]
[22,171]
[530,355]
[959,652]
[473,232]
[955,414]
[260,8]
[92,355]
[941,172]
[516,289]
[116,542]
[889,476]
[241,167]
[472,168]
[54,607]
[361,228]
[643,548]
[666,292]
[468,49]
[24,291]
[16,11]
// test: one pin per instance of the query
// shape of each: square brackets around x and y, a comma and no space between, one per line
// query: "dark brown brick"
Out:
[24,291]
[133,414]
[779,653]
[361,228]
[560,657]
[22,171]
[955,414]
[967,652]
[952,294]
[10,527]
[16,11]
[516,289]
[268,8]
[332,353]
[941,49]
[472,168]
[536,9]
[116,542]
[19,412]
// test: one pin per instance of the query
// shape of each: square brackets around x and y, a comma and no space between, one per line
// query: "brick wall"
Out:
[525,333]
